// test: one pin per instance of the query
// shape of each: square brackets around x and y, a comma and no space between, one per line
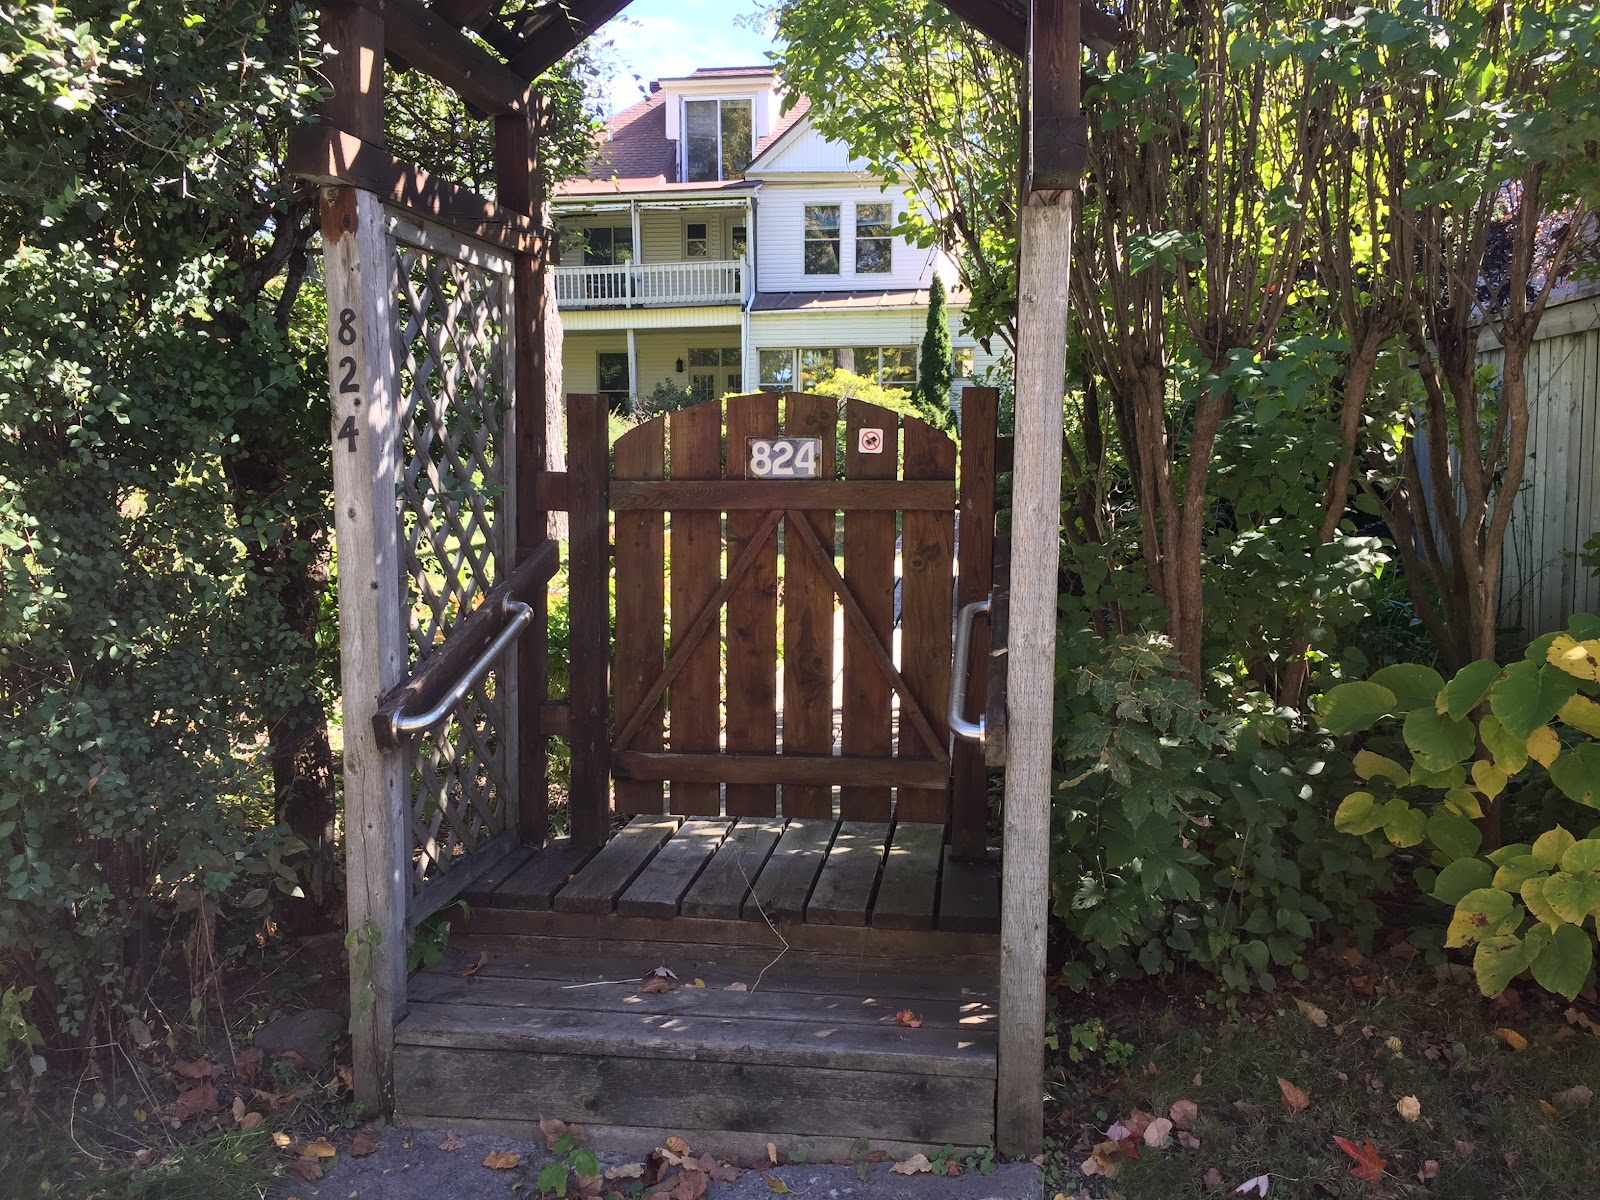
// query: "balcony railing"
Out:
[653,285]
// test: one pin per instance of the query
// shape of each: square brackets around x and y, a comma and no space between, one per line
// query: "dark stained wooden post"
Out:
[969,810]
[1056,140]
[517,188]
[589,641]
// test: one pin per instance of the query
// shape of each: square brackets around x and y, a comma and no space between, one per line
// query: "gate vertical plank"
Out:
[752,690]
[808,619]
[867,721]
[589,643]
[696,570]
[373,656]
[641,607]
[927,554]
[969,792]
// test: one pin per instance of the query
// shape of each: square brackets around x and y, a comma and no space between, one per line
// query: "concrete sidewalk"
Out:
[409,1165]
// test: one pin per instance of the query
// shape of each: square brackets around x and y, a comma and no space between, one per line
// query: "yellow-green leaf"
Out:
[1512,875]
[1497,961]
[1510,753]
[1491,780]
[1463,803]
[1528,696]
[1582,856]
[1358,813]
[1533,897]
[1467,690]
[1438,741]
[1478,915]
[1573,897]
[1351,707]
[1544,746]
[1577,773]
[1575,658]
[1454,834]
[1550,845]
[1460,877]
[1582,714]
[1404,825]
[1413,685]
[1375,766]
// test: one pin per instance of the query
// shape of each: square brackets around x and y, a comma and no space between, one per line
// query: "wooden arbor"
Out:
[442,379]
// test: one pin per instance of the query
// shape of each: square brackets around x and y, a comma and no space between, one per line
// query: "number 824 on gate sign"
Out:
[783,457]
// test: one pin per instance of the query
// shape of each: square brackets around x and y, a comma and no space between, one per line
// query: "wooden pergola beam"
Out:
[1006,24]
[426,40]
[570,22]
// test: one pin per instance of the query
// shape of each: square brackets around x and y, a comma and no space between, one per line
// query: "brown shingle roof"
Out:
[637,156]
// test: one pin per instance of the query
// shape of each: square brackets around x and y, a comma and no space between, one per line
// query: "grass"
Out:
[39,1160]
[1422,1035]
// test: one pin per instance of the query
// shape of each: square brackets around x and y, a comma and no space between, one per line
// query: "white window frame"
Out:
[683,132]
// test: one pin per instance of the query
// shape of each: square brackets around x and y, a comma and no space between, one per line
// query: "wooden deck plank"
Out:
[828,1008]
[534,885]
[661,885]
[969,894]
[910,877]
[480,890]
[595,888]
[796,971]
[450,1081]
[784,885]
[843,894]
[720,890]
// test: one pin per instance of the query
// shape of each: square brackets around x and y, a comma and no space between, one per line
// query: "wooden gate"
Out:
[783,610]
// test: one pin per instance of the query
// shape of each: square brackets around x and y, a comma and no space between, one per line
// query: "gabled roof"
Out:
[637,155]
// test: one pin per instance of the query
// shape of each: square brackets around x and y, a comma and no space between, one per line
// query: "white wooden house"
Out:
[722,245]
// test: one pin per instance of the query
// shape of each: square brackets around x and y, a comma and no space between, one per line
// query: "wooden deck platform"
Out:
[795,946]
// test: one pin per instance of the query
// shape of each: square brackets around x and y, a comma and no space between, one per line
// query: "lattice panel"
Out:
[454,355]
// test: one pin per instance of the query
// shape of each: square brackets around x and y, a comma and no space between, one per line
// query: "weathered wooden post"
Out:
[1055,139]
[365,427]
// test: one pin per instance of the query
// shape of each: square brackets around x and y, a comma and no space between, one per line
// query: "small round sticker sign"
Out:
[870,441]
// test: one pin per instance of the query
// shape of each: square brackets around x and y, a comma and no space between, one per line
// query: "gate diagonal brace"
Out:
[698,628]
[908,704]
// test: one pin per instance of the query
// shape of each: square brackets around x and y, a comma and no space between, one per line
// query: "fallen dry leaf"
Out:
[364,1144]
[626,1171]
[196,1100]
[677,1145]
[308,1169]
[1548,1109]
[1409,1108]
[1312,1013]
[1158,1133]
[722,1172]
[772,1153]
[657,985]
[917,1164]
[280,1140]
[776,1185]
[554,1130]
[1512,1038]
[952,1168]
[1574,1098]
[247,1063]
[1183,1113]
[1188,1140]
[238,1109]
[473,968]
[1296,1099]
[1394,1045]
[589,1186]
[1463,1147]
[198,1068]
[1212,1179]
[738,987]
[690,1185]
[698,982]
[908,1018]
[1102,1160]
[502,1160]
[1150,1068]
[1254,1187]
[452,1142]
[249,1121]
[1369,1163]
[1583,1021]
[320,1148]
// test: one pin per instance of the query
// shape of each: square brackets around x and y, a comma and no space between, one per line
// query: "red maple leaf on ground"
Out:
[1369,1163]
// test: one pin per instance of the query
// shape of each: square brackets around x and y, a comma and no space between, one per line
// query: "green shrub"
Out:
[1443,761]
[1184,834]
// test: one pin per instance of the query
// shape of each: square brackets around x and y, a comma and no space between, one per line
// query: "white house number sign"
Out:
[784,457]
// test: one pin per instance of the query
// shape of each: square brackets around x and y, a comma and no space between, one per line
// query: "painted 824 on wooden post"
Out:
[783,457]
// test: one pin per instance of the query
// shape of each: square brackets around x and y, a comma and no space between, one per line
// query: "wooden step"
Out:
[814,1055]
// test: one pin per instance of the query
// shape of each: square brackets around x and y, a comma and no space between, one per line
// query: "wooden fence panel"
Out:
[641,607]
[752,680]
[808,618]
[696,569]
[867,716]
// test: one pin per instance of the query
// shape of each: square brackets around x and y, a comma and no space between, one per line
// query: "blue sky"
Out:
[658,38]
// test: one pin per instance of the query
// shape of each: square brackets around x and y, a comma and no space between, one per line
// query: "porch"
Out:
[696,282]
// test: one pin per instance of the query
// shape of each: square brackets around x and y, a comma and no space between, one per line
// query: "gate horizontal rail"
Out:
[761,495]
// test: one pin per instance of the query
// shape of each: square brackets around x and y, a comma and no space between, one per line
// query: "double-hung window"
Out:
[822,239]
[874,244]
[719,139]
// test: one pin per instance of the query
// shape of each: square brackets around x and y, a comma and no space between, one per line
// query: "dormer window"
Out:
[719,139]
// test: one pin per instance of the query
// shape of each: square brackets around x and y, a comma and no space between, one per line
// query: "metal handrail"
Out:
[521,615]
[970,731]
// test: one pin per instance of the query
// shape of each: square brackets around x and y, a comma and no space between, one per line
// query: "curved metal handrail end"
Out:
[403,726]
[969,731]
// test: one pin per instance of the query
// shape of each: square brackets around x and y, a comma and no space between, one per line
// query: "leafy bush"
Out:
[1439,766]
[1185,834]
